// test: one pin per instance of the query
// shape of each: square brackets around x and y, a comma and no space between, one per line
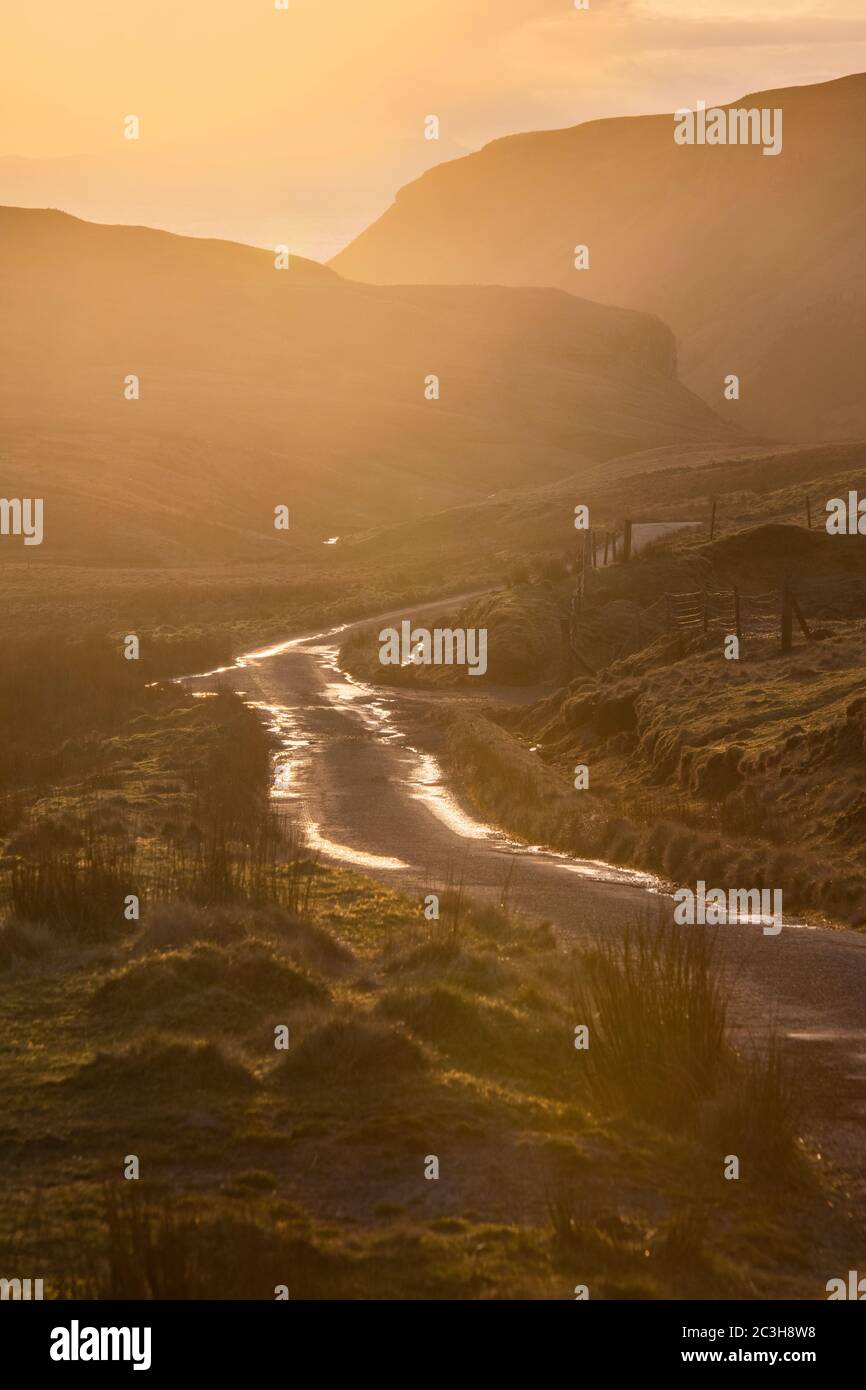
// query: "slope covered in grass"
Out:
[748,770]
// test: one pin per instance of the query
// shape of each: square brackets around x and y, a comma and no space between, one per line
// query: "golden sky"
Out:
[300,125]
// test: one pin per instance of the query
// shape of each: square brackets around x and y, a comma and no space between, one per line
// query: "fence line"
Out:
[701,611]
[745,615]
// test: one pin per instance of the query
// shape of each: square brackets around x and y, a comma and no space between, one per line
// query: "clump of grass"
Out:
[150,1250]
[77,888]
[682,1243]
[261,863]
[75,877]
[482,1034]
[351,1050]
[603,1249]
[178,925]
[441,959]
[656,1011]
[756,1114]
[207,986]
[171,926]
[444,1017]
[567,1212]
[163,1070]
[453,905]
[23,943]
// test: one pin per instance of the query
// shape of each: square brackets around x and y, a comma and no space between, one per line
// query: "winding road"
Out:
[356,763]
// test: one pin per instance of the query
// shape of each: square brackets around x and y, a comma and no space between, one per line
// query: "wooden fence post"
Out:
[798,614]
[808,512]
[626,541]
[787,624]
[737,625]
[713,519]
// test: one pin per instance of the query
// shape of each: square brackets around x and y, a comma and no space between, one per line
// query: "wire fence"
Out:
[621,627]
[747,615]
[757,619]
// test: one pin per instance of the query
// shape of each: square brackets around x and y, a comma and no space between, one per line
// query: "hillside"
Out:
[532,526]
[749,767]
[754,261]
[260,387]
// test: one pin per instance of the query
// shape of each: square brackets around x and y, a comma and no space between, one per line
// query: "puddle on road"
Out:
[829,1035]
[425,785]
[346,854]
[602,872]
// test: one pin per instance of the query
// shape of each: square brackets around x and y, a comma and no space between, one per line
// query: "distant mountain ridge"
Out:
[262,387]
[756,263]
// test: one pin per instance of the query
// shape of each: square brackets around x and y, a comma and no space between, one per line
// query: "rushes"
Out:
[656,1011]
[154,1251]
[264,865]
[757,1115]
[77,873]
[660,1047]
[78,888]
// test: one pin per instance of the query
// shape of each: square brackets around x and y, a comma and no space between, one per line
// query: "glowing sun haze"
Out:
[299,125]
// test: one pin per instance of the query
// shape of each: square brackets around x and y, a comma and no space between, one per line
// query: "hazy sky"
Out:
[298,126]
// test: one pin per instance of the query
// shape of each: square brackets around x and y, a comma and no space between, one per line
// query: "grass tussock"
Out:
[150,1250]
[177,925]
[208,987]
[170,1071]
[661,1048]
[352,1050]
[77,888]
[486,1036]
[656,1014]
[23,944]
[758,1115]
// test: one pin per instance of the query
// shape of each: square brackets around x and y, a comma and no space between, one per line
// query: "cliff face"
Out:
[754,260]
